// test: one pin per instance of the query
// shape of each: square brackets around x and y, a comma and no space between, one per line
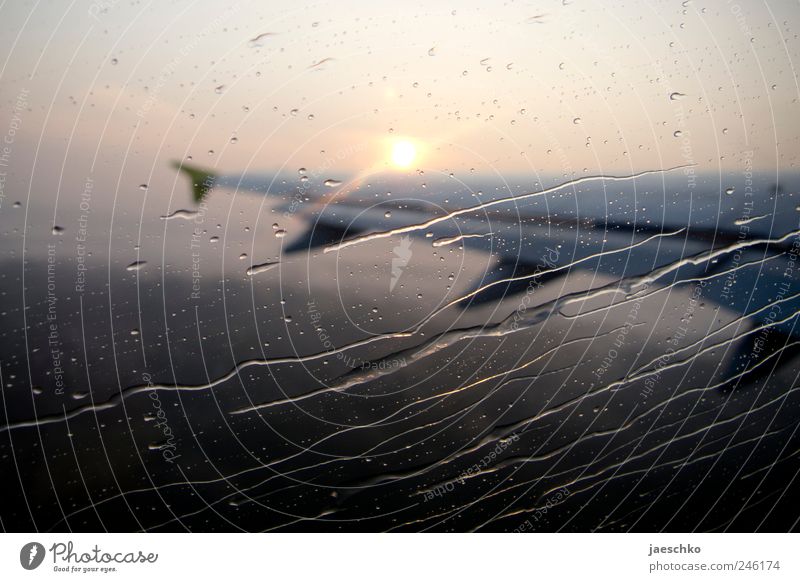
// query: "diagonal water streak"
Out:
[449,216]
[515,322]
[510,324]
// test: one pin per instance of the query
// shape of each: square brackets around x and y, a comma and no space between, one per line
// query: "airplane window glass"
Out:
[369,267]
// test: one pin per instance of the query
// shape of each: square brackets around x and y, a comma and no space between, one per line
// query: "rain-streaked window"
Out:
[361,266]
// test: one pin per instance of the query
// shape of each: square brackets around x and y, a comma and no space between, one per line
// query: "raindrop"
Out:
[134,331]
[136,266]
[675,96]
[184,214]
[213,239]
[331,183]
[114,61]
[577,121]
[387,214]
[142,186]
[262,268]
[257,41]
[57,229]
[432,51]
[280,233]
[218,90]
[678,133]
[730,190]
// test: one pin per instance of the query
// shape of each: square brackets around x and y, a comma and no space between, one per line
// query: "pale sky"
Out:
[551,87]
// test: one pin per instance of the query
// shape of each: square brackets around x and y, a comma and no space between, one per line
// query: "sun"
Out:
[403,154]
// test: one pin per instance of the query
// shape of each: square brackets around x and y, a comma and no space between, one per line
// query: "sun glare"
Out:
[403,154]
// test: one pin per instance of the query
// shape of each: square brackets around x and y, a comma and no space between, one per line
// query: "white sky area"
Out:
[547,87]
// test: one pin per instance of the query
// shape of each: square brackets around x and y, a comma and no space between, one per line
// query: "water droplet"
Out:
[57,229]
[730,190]
[234,139]
[184,214]
[331,183]
[675,96]
[261,268]
[136,266]
[293,112]
[280,233]
[258,41]
[387,214]
[432,51]
[302,171]
[134,331]
[577,121]
[114,61]
[243,256]
[213,239]
[142,186]
[678,133]
[218,90]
